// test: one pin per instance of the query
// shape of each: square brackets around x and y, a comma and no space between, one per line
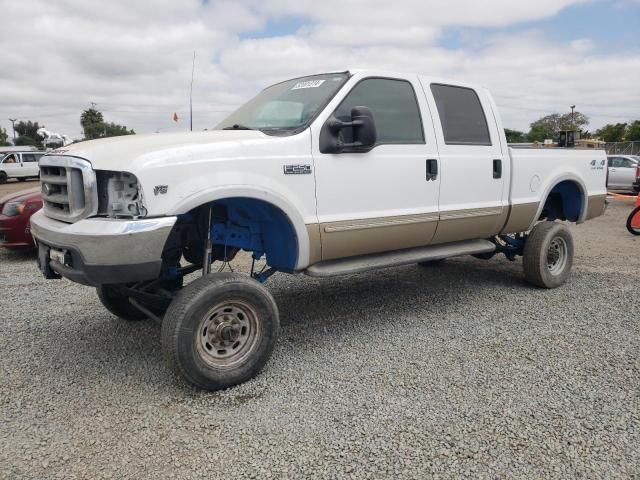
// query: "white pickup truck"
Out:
[323,175]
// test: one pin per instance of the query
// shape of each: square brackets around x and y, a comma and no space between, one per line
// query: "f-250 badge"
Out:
[296,169]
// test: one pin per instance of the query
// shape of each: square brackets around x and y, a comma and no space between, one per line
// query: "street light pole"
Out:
[13,125]
[573,124]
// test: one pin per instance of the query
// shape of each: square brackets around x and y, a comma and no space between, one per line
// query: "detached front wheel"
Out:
[633,222]
[220,330]
[548,255]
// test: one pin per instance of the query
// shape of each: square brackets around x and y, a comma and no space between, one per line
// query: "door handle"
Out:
[497,168]
[432,169]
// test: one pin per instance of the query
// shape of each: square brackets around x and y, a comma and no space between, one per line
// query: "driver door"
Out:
[382,199]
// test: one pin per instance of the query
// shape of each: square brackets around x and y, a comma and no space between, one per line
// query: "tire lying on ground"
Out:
[548,255]
[117,303]
[220,330]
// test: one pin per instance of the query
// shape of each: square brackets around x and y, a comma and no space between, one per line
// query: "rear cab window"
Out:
[461,115]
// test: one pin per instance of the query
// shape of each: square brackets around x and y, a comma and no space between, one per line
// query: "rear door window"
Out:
[461,115]
[29,157]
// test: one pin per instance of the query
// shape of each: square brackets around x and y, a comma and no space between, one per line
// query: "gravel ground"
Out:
[13,185]
[459,369]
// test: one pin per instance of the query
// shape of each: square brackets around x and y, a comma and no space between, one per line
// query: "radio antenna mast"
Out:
[193,65]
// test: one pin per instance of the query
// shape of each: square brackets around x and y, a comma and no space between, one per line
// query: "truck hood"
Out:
[133,152]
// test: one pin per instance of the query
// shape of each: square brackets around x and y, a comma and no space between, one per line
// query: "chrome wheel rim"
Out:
[227,334]
[557,256]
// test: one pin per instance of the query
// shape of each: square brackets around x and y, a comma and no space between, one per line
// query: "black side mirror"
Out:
[363,129]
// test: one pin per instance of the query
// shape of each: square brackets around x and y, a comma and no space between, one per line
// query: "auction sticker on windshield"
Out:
[308,84]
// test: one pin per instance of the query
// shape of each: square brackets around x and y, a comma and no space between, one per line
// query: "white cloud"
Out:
[134,58]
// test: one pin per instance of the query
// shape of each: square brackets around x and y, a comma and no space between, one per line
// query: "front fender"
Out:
[244,191]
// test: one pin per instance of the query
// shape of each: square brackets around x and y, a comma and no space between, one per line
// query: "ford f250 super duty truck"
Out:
[323,175]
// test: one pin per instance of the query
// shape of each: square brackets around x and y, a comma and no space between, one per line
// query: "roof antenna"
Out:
[193,65]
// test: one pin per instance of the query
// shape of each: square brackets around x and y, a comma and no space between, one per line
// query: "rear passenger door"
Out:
[382,199]
[473,201]
[621,173]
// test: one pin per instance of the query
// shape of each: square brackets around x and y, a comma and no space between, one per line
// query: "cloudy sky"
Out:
[133,58]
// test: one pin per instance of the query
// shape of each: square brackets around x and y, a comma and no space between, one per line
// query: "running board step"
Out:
[363,263]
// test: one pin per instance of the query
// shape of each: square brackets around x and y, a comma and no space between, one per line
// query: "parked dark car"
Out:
[15,212]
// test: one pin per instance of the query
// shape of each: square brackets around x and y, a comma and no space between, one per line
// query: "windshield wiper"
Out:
[237,127]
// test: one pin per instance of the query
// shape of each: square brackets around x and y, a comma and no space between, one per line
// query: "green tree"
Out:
[540,132]
[550,126]
[91,121]
[94,126]
[612,133]
[633,132]
[575,122]
[25,140]
[4,138]
[515,136]
[28,129]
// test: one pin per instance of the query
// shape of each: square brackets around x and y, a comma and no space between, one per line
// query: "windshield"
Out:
[286,107]
[635,157]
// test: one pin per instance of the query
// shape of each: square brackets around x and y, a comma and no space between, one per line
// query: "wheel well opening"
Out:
[564,202]
[237,223]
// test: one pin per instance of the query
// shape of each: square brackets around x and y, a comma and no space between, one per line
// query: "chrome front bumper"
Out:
[101,250]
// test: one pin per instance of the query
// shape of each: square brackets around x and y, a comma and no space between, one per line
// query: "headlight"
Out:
[13,209]
[119,195]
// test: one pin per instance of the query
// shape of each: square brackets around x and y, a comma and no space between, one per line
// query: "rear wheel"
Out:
[117,303]
[633,222]
[3,177]
[220,330]
[548,255]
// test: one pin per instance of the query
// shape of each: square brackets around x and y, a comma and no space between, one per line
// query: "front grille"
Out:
[69,190]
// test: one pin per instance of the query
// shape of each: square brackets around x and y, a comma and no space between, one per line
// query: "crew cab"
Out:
[322,175]
[19,165]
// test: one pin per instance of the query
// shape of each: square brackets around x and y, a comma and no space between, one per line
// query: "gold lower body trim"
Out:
[595,206]
[471,223]
[359,237]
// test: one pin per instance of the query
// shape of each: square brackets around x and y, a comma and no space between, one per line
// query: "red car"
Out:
[15,212]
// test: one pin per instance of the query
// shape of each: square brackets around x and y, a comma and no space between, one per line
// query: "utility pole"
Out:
[13,125]
[193,66]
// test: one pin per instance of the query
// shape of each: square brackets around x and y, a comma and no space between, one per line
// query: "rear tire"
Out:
[220,330]
[3,177]
[117,303]
[548,255]
[631,221]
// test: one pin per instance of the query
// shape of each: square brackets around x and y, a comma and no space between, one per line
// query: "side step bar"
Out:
[363,263]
